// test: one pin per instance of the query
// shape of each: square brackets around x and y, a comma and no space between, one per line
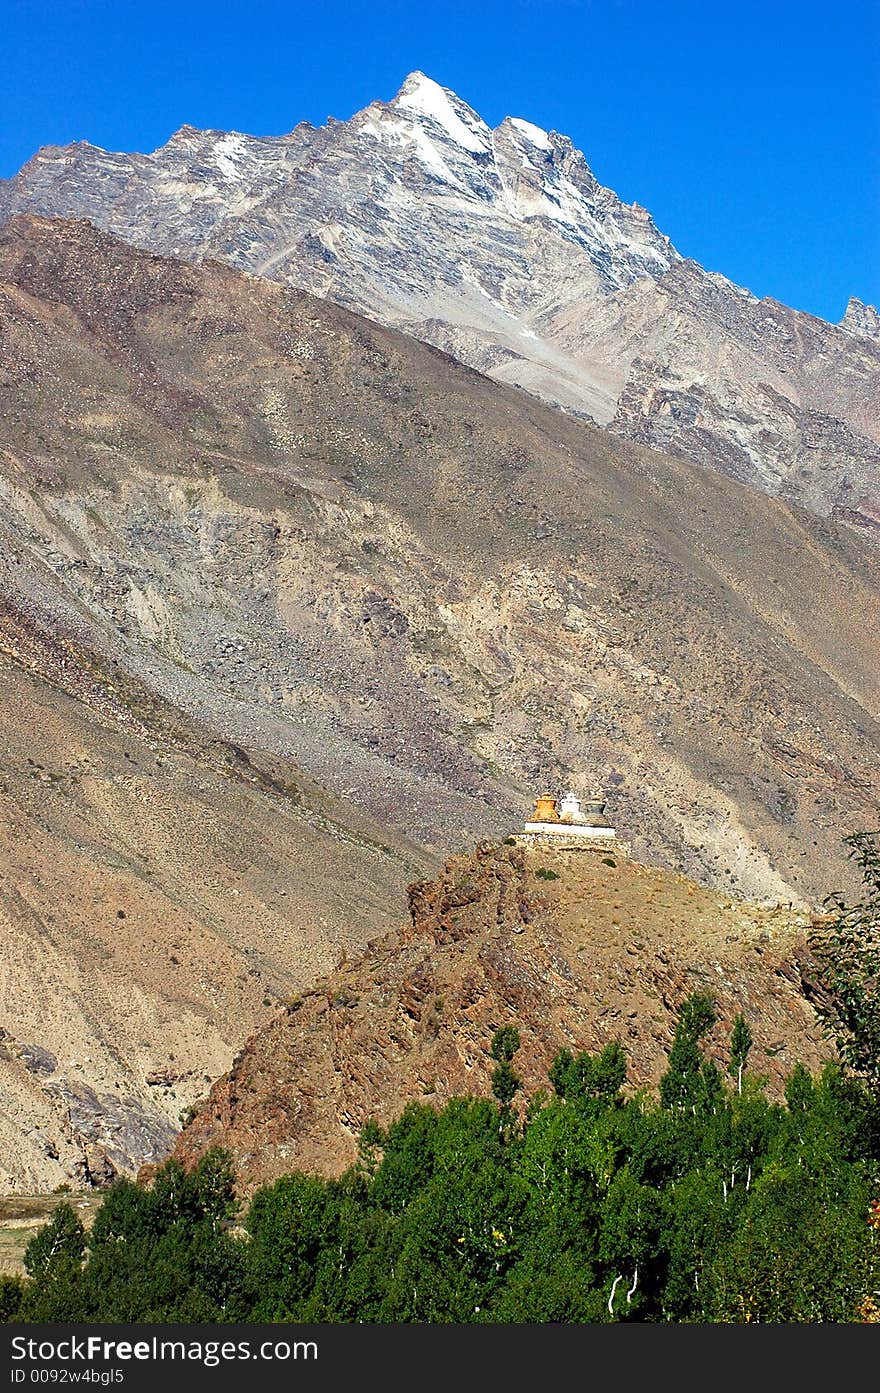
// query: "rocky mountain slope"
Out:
[292,605]
[160,894]
[501,247]
[575,949]
[430,592]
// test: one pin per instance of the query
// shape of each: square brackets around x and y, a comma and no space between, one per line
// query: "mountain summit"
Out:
[501,247]
[861,318]
[424,97]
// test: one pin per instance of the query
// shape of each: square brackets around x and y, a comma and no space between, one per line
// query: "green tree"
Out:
[684,1085]
[741,1041]
[585,1076]
[159,1254]
[799,1090]
[54,1262]
[290,1224]
[633,1243]
[505,1043]
[701,1218]
[505,1083]
[60,1244]
[801,1253]
[848,954]
[11,1296]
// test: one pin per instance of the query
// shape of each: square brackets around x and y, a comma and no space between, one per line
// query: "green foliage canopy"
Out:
[714,1205]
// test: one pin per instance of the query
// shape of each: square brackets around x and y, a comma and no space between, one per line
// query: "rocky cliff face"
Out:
[575,949]
[861,319]
[501,247]
[756,434]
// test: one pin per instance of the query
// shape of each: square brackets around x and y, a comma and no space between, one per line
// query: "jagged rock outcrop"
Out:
[575,949]
[755,434]
[860,318]
[502,247]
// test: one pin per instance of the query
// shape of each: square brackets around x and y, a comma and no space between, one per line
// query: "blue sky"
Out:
[751,131]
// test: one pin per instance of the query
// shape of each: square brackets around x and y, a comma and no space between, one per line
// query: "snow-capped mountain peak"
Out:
[533,134]
[422,97]
[503,248]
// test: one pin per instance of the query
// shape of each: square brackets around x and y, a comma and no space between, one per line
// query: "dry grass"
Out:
[22,1216]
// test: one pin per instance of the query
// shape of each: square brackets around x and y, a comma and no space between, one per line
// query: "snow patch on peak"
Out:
[229,153]
[533,134]
[393,132]
[425,97]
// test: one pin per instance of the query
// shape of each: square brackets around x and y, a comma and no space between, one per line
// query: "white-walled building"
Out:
[570,822]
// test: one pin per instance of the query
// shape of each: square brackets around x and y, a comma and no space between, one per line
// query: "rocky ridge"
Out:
[574,948]
[501,247]
[861,319]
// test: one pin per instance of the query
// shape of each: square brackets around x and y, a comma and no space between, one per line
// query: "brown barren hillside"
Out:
[159,895]
[335,545]
[574,948]
[294,606]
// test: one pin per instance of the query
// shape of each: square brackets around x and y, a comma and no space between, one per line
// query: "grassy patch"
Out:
[22,1217]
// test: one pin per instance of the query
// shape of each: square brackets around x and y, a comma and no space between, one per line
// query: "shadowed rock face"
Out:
[290,606]
[573,948]
[501,247]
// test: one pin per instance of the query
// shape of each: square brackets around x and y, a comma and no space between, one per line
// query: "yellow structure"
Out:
[545,809]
